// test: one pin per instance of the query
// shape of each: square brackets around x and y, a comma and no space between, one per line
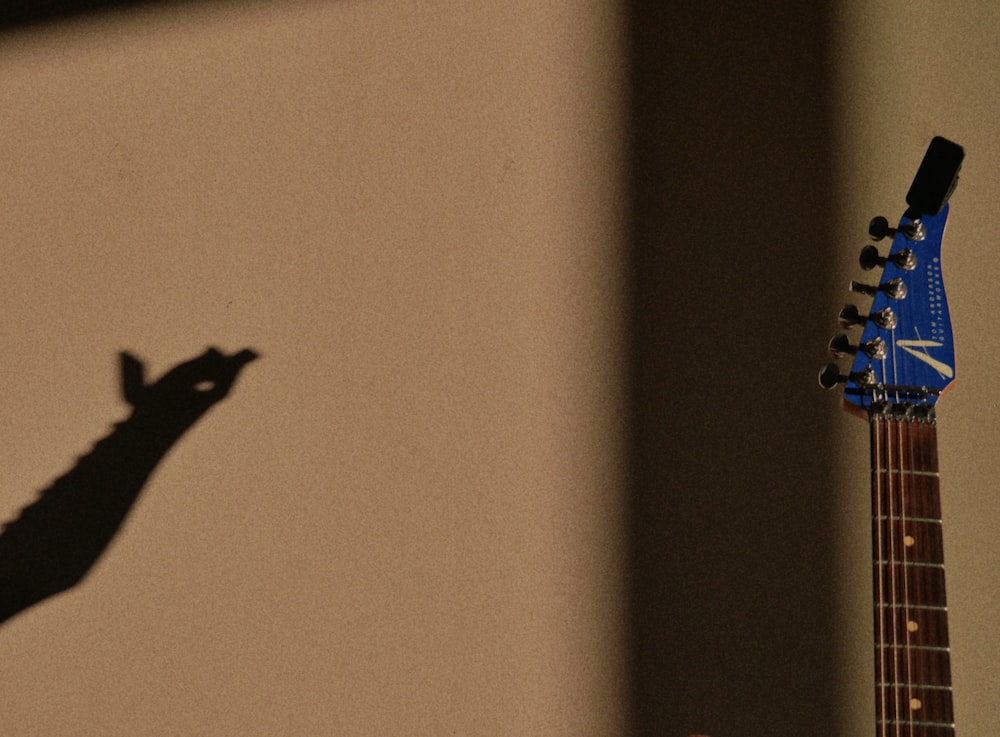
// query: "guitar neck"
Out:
[913,693]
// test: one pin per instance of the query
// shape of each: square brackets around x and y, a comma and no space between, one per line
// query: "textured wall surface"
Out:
[535,445]
[407,518]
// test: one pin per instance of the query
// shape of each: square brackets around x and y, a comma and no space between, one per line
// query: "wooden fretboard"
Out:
[913,696]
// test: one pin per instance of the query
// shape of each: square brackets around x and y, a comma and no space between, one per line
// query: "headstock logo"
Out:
[911,346]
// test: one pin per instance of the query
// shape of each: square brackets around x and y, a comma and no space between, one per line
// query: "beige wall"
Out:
[407,518]
[940,79]
[415,514]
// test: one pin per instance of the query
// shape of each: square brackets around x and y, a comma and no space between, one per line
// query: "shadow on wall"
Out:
[55,541]
[25,13]
[732,546]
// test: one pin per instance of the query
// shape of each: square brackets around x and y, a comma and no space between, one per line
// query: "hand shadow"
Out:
[55,541]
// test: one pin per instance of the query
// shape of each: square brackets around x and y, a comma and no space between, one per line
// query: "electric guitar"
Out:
[902,361]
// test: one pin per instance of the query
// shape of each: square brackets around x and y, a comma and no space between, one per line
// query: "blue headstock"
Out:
[905,354]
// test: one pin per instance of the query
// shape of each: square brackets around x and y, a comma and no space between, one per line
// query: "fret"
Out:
[908,646]
[916,564]
[916,723]
[906,472]
[921,686]
[927,730]
[906,518]
[898,605]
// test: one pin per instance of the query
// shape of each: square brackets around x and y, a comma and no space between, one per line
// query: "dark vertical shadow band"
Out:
[731,499]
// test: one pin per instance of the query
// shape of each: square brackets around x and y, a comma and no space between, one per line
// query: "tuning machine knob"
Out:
[894,288]
[840,346]
[879,228]
[850,317]
[830,376]
[904,259]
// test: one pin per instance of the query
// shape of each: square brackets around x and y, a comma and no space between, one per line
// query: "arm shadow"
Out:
[55,541]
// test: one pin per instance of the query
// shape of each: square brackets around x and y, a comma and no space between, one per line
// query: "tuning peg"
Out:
[840,346]
[884,318]
[830,376]
[879,228]
[894,288]
[851,317]
[904,259]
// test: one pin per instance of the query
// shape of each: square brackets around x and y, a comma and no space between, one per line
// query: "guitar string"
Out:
[898,577]
[882,677]
[892,676]
[905,494]
[893,575]
[892,636]
[889,655]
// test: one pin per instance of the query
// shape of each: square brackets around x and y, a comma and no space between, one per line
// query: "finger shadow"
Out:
[57,539]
